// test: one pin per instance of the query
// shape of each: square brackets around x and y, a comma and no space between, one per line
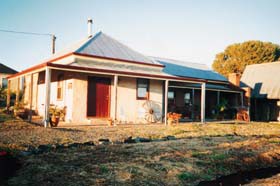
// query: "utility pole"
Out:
[34,33]
[53,43]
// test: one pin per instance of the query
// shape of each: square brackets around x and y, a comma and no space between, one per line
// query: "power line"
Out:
[34,33]
[27,33]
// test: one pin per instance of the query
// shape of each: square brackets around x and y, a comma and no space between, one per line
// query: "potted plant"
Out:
[173,117]
[55,115]
[110,122]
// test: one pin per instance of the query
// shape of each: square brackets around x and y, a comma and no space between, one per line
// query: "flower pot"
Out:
[54,120]
[110,122]
[170,121]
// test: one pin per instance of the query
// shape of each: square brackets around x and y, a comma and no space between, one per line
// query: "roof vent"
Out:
[89,22]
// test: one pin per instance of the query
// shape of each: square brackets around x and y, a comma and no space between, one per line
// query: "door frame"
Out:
[109,97]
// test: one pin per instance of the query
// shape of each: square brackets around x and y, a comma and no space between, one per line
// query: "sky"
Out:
[189,30]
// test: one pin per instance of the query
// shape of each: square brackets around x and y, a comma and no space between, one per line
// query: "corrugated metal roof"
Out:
[104,46]
[122,67]
[264,79]
[188,69]
[6,70]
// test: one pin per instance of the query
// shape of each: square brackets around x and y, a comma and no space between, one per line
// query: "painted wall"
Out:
[67,91]
[75,87]
[129,110]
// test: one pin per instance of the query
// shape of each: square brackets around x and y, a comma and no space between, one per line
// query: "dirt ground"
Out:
[201,152]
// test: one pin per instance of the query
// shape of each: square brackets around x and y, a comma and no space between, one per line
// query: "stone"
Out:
[89,143]
[142,140]
[129,140]
[104,141]
[169,138]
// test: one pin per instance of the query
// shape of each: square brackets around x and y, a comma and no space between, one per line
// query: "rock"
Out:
[104,141]
[89,143]
[129,140]
[142,140]
[25,153]
[74,145]
[43,148]
[169,138]
[83,173]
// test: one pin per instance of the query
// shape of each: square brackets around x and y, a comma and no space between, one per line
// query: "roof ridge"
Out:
[88,41]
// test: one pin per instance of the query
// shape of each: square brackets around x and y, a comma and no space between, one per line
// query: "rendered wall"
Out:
[67,91]
[129,110]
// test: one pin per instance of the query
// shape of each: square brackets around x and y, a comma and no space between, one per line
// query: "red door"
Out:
[98,97]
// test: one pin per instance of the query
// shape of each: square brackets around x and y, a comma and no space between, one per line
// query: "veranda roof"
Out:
[189,69]
[264,79]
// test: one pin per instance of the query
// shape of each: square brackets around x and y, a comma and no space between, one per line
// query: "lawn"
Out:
[200,152]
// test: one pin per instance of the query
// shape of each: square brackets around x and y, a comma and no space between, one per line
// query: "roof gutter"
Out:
[36,67]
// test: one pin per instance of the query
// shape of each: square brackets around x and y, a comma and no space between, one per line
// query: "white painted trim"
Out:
[185,87]
[47,96]
[116,97]
[165,101]
[202,108]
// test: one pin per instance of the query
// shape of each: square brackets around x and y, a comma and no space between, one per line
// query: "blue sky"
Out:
[194,30]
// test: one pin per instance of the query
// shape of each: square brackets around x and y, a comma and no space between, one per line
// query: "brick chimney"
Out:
[234,78]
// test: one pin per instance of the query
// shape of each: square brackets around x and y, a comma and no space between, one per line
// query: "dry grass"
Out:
[203,153]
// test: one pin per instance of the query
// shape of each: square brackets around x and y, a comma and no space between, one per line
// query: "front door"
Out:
[98,97]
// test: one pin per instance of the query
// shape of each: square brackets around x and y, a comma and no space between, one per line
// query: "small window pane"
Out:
[187,98]
[142,92]
[142,88]
[170,95]
[4,82]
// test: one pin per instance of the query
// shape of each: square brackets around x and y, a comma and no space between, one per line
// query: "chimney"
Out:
[89,22]
[234,78]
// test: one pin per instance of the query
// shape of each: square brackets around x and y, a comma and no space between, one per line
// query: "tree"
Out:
[236,56]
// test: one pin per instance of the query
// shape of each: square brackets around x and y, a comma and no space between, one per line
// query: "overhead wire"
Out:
[27,33]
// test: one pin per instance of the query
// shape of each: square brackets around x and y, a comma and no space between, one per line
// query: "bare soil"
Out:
[201,152]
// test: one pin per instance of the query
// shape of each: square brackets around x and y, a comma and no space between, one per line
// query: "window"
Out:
[60,87]
[187,98]
[4,82]
[170,95]
[171,98]
[142,89]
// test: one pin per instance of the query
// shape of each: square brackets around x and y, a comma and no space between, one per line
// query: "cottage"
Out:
[100,78]
[5,71]
[264,82]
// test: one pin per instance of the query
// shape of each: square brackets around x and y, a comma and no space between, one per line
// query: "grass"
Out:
[201,152]
[187,176]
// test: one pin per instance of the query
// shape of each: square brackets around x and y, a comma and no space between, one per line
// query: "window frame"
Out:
[147,89]
[4,85]
[60,80]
